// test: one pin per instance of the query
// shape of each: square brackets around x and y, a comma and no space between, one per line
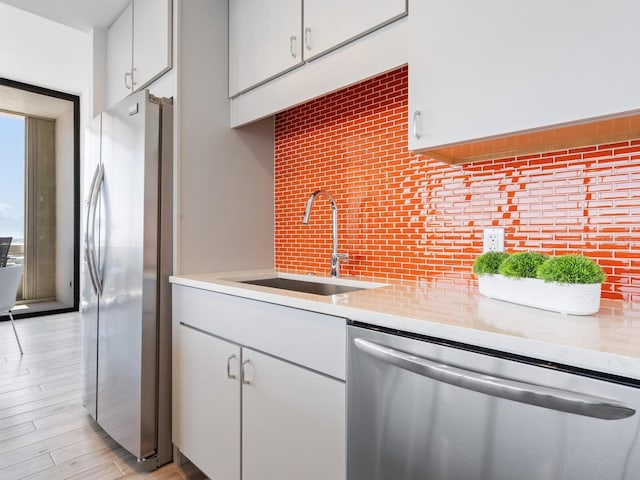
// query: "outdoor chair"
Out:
[5,243]
[9,282]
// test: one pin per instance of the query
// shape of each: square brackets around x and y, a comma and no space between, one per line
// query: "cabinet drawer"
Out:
[310,339]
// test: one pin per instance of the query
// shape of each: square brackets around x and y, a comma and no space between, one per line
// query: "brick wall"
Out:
[404,216]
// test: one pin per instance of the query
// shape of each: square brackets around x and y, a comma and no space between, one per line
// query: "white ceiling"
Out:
[81,14]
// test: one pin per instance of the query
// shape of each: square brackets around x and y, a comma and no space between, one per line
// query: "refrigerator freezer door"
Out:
[127,367]
[89,304]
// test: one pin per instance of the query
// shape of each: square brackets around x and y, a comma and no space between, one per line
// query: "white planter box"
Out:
[569,298]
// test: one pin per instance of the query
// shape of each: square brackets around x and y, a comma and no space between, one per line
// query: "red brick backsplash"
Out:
[404,216]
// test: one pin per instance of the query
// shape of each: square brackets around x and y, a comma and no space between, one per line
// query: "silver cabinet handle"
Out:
[417,116]
[529,393]
[245,371]
[293,46]
[231,375]
[133,78]
[307,38]
[128,84]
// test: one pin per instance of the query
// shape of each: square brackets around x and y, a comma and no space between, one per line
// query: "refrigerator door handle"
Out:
[96,186]
[529,393]
[87,241]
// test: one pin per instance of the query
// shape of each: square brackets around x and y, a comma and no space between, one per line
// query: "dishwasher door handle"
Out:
[523,392]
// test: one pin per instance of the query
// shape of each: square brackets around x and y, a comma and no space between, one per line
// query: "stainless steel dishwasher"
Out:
[426,409]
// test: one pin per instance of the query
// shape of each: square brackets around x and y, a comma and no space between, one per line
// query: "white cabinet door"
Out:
[264,40]
[293,424]
[119,54]
[151,40]
[207,402]
[486,69]
[331,23]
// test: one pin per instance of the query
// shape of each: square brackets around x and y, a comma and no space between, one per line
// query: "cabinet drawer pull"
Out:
[417,115]
[230,375]
[307,38]
[247,372]
[293,40]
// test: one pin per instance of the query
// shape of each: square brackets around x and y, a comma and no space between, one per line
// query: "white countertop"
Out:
[606,342]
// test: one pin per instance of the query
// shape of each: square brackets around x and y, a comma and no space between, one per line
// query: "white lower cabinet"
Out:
[293,422]
[243,413]
[207,402]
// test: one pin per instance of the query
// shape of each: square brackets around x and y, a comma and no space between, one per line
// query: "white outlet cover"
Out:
[493,240]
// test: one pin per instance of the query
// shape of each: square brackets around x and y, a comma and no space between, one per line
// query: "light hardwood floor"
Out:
[45,433]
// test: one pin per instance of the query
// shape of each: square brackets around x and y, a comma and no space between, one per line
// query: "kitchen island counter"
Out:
[607,342]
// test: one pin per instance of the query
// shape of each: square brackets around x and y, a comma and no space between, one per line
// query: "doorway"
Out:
[39,202]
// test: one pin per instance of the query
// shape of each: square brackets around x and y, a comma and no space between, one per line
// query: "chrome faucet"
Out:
[335,256]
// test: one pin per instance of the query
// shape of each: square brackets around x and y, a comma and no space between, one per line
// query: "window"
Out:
[12,173]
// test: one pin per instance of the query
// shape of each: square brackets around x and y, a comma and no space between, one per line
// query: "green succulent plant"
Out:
[571,269]
[488,263]
[522,265]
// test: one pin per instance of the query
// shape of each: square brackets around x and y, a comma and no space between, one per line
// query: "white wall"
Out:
[44,53]
[64,207]
[225,216]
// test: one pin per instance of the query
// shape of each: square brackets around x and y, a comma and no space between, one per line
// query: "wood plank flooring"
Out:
[45,432]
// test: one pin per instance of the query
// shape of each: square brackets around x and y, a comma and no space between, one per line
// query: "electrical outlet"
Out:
[493,240]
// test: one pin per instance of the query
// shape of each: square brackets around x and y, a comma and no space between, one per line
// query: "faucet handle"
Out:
[336,258]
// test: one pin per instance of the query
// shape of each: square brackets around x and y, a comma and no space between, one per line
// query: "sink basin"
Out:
[316,288]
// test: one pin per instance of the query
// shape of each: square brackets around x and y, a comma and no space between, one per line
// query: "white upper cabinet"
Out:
[139,47]
[265,40]
[151,40]
[328,24]
[502,69]
[119,41]
[270,37]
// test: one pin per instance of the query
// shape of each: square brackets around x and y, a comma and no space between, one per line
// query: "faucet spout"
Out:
[335,256]
[312,198]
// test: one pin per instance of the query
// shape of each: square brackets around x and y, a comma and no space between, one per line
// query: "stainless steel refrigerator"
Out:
[126,305]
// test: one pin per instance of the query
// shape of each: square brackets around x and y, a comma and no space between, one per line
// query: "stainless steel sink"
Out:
[316,288]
